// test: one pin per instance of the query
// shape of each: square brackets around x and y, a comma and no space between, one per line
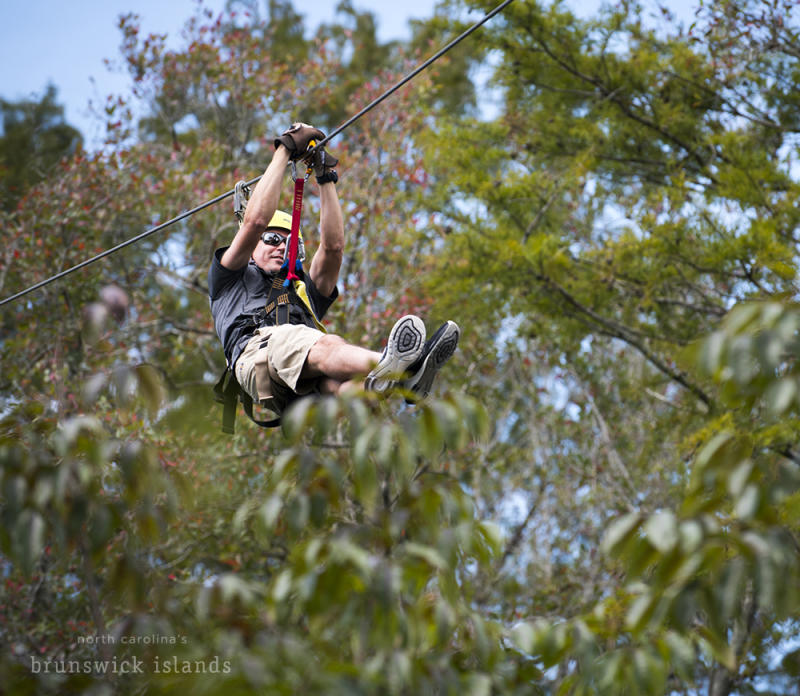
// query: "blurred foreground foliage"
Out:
[712,578]
[344,562]
[352,558]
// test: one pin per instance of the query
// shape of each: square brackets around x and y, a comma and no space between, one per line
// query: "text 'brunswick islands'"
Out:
[131,666]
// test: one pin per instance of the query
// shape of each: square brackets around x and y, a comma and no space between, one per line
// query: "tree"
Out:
[34,138]
[634,188]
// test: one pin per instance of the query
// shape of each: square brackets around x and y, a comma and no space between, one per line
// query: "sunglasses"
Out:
[273,238]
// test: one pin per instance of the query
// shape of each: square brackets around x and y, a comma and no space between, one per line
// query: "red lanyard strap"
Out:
[293,264]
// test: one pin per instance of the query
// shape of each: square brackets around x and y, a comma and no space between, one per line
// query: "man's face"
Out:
[270,250]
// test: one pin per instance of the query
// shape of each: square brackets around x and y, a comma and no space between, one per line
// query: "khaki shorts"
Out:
[270,365]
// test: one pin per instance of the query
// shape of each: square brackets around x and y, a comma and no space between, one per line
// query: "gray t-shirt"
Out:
[235,296]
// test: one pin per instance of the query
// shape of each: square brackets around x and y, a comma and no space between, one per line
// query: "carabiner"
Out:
[294,171]
[241,194]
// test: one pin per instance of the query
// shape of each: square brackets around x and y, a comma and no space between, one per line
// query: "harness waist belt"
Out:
[278,312]
[280,300]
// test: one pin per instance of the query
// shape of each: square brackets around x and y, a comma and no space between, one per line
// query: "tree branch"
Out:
[615,330]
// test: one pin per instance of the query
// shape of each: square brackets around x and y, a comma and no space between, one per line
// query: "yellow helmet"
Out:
[281,220]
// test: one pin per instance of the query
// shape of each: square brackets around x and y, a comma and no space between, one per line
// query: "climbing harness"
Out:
[276,311]
[288,289]
[228,392]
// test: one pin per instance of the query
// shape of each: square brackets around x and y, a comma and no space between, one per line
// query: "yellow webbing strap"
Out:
[302,293]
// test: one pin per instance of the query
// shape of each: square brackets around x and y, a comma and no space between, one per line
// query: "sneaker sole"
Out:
[440,353]
[403,348]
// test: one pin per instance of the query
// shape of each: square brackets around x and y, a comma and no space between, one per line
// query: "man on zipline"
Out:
[270,330]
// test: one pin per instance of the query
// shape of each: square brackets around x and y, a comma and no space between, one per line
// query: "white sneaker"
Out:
[437,350]
[403,348]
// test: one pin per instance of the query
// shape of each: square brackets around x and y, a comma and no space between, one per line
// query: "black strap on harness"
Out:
[227,392]
[276,311]
[277,306]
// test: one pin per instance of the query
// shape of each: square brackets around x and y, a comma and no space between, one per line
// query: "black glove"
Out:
[297,139]
[323,164]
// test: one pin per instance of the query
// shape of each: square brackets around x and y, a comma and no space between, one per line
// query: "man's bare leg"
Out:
[339,362]
[331,356]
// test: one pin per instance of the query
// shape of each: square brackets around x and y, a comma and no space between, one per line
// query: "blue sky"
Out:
[66,43]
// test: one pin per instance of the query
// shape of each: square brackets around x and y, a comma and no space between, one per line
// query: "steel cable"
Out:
[228,194]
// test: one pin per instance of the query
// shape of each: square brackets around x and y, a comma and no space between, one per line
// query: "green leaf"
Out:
[711,352]
[493,534]
[479,685]
[711,450]
[791,663]
[270,510]
[150,386]
[610,665]
[718,647]
[296,418]
[234,589]
[359,417]
[365,476]
[43,492]
[385,437]
[649,672]
[426,553]
[681,653]
[242,515]
[282,586]
[780,395]
[431,435]
[739,476]
[691,535]
[730,587]
[740,316]
[30,530]
[747,503]
[619,531]
[399,672]
[327,414]
[297,512]
[71,430]
[363,446]
[93,386]
[476,418]
[661,531]
[344,551]
[524,635]
[640,612]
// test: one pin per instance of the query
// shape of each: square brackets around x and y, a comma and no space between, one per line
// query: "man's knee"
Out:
[328,343]
[321,351]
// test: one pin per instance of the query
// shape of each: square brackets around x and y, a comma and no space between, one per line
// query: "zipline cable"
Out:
[228,194]
[414,73]
[119,246]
